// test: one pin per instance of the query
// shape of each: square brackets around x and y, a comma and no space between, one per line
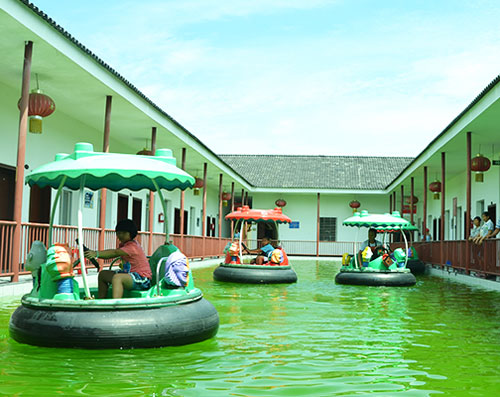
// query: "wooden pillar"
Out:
[394,200]
[424,213]
[246,198]
[232,208]
[412,192]
[204,220]
[21,157]
[242,197]
[317,227]
[220,206]
[390,203]
[105,149]
[152,197]
[441,234]
[402,198]
[181,220]
[469,202]
[443,175]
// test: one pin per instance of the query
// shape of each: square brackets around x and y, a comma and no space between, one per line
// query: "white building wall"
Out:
[303,208]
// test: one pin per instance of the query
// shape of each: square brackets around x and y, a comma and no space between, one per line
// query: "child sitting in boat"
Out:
[373,244]
[263,253]
[135,272]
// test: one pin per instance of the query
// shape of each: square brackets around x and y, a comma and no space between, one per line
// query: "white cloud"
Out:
[379,85]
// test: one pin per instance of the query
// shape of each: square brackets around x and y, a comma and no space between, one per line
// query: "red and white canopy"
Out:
[255,215]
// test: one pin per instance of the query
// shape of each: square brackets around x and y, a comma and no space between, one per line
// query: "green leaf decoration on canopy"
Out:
[364,219]
[113,171]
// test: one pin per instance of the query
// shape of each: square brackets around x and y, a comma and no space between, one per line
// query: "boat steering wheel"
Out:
[245,247]
[92,260]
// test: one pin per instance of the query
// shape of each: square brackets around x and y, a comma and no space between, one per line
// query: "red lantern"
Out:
[408,200]
[39,106]
[280,203]
[480,164]
[435,187]
[198,184]
[225,198]
[354,204]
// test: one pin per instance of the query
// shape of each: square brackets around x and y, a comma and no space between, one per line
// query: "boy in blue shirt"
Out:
[263,253]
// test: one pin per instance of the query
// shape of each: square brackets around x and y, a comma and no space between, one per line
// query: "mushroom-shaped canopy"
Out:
[111,170]
[389,221]
[255,215]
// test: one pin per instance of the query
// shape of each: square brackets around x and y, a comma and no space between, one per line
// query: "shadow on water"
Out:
[312,338]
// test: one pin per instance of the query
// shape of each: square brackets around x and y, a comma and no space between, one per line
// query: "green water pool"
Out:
[313,338]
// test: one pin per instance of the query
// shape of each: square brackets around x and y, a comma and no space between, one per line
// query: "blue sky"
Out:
[327,77]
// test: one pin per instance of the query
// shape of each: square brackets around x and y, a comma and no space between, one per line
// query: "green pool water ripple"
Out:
[313,338]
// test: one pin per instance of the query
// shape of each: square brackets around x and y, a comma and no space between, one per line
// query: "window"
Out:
[328,229]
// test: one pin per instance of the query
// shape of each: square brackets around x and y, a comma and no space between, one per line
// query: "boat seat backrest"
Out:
[163,251]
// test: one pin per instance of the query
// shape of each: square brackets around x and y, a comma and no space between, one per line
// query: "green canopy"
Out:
[112,171]
[364,219]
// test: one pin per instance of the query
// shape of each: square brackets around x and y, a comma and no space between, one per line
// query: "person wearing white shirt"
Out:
[497,229]
[475,230]
[486,230]
[372,243]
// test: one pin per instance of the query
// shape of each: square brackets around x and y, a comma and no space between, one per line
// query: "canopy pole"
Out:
[406,245]
[80,236]
[54,207]
[356,248]
[241,236]
[164,206]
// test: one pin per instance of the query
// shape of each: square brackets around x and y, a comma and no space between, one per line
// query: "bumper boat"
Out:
[385,268]
[276,271]
[56,313]
[413,262]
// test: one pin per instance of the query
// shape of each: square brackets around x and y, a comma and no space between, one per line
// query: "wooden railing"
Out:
[191,246]
[481,259]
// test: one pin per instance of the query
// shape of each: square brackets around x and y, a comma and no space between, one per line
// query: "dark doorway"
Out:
[39,204]
[210,232]
[137,212]
[122,212]
[492,210]
[7,187]
[177,221]
[465,225]
[435,235]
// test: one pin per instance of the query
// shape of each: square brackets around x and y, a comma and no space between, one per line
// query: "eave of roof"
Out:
[481,95]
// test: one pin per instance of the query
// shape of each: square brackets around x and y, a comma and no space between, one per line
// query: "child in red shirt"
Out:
[135,272]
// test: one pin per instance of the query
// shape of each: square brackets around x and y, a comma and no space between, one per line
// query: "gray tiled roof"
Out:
[322,172]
